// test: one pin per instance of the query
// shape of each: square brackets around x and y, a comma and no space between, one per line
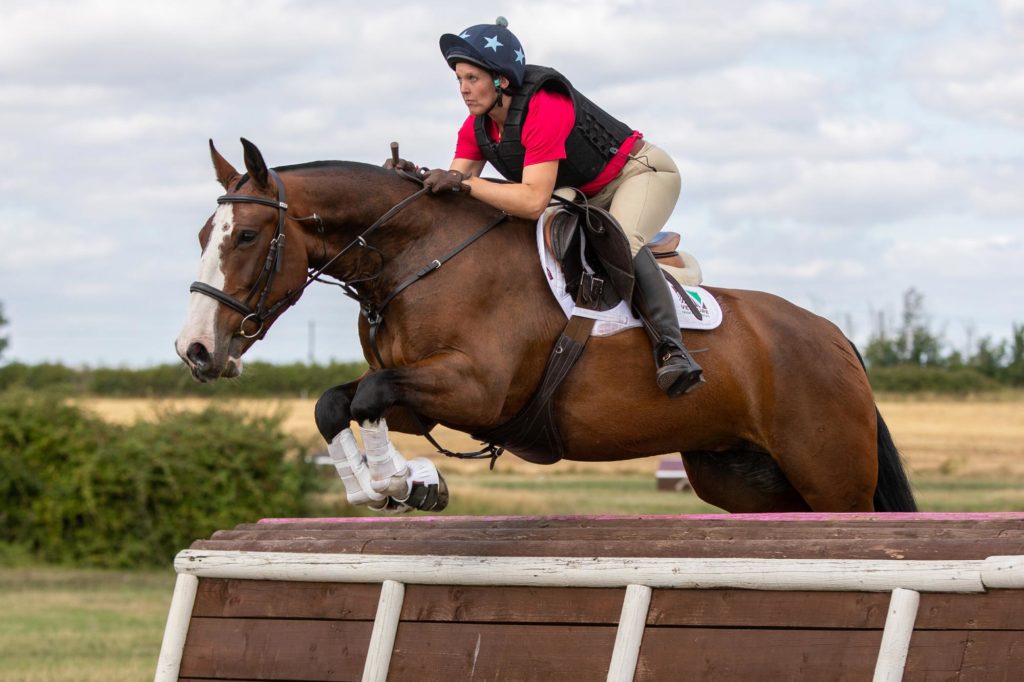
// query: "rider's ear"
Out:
[226,173]
[255,164]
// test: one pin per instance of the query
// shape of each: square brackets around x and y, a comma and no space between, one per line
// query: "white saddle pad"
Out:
[621,316]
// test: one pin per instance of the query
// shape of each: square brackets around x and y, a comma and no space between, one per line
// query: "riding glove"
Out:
[439,180]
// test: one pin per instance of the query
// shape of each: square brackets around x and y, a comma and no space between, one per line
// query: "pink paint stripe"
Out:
[888,516]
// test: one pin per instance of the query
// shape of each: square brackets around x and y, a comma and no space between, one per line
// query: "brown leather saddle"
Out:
[593,252]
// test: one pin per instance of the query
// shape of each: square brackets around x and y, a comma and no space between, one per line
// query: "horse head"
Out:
[247,276]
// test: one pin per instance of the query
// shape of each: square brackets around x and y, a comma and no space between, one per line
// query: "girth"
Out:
[533,433]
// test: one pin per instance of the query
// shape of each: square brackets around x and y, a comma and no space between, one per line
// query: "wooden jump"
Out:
[710,597]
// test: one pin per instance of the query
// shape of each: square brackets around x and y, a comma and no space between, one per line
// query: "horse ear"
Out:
[226,173]
[255,164]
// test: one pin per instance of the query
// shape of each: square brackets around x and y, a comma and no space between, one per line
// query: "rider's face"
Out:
[476,87]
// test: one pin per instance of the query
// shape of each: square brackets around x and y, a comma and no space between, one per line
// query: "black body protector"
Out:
[593,141]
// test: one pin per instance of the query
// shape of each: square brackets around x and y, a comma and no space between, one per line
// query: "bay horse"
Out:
[786,421]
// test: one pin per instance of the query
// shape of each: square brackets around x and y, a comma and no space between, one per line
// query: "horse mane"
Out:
[318,165]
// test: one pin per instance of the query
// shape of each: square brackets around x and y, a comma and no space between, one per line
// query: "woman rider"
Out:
[540,133]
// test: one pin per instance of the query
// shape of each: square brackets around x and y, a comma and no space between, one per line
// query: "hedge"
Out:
[946,381]
[77,490]
[260,379]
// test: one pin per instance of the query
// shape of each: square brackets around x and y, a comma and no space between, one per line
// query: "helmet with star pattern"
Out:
[490,46]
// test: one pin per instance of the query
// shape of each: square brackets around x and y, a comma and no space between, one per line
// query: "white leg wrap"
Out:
[389,471]
[348,461]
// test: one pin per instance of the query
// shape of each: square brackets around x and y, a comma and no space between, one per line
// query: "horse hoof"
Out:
[391,506]
[429,491]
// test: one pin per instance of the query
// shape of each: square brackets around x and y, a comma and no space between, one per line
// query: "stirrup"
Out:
[677,373]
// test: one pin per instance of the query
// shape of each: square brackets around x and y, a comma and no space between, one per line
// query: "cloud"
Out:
[977,77]
[969,258]
[848,193]
[32,243]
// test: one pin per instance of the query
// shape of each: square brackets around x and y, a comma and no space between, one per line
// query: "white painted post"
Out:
[182,601]
[899,627]
[630,633]
[385,628]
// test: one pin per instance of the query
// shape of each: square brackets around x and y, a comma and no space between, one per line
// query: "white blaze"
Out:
[202,310]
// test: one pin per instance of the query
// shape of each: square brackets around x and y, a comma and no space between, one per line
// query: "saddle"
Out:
[594,255]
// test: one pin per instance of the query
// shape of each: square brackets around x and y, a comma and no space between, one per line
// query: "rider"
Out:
[540,133]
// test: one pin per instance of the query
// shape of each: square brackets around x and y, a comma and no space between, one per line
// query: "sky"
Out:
[836,153]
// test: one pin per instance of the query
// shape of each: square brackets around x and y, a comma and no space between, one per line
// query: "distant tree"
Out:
[1015,361]
[3,323]
[989,358]
[913,343]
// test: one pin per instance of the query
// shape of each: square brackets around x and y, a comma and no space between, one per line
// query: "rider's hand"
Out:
[439,180]
[403,165]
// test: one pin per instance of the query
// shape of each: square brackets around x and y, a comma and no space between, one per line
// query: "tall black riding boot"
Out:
[678,373]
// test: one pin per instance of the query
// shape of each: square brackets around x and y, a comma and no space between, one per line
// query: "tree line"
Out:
[913,352]
[906,356]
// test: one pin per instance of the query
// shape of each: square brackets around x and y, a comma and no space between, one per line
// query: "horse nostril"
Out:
[198,355]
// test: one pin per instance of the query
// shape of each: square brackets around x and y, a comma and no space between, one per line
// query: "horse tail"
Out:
[892,492]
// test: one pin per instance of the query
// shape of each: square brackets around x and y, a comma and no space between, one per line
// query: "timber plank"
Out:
[994,610]
[228,598]
[232,648]
[426,652]
[768,549]
[438,603]
[220,598]
[699,654]
[679,531]
[994,657]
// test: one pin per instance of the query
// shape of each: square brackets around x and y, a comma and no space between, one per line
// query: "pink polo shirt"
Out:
[549,120]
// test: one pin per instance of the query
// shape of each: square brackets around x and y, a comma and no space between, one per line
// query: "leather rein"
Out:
[372,312]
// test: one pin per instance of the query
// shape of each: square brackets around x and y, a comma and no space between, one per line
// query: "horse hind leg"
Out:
[742,481]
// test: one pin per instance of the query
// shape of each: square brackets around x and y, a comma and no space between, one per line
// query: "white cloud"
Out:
[850,193]
[966,257]
[977,77]
[32,243]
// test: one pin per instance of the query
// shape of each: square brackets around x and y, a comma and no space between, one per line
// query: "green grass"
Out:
[72,625]
[953,494]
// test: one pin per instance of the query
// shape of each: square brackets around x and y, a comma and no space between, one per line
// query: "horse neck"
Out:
[351,201]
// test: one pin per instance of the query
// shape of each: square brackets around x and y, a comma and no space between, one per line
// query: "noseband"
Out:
[271,266]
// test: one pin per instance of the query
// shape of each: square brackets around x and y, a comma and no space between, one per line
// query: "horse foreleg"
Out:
[380,478]
[415,484]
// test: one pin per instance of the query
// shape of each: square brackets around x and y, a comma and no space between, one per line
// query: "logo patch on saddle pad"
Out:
[621,318]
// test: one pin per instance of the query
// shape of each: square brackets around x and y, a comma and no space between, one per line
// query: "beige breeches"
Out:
[642,198]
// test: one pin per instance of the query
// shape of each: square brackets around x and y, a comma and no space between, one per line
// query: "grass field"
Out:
[69,625]
[62,625]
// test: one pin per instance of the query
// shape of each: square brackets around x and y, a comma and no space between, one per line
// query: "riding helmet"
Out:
[489,46]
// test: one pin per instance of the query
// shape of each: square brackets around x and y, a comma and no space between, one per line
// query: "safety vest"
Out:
[593,141]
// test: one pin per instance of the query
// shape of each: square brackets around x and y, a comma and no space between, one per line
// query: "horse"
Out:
[464,327]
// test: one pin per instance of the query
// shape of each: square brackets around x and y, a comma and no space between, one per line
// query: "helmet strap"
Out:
[498,101]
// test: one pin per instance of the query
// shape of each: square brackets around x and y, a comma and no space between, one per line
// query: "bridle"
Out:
[271,266]
[275,257]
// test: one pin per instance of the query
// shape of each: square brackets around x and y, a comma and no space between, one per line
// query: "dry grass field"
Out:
[938,437]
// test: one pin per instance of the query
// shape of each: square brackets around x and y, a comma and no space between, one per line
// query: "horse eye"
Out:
[246,236]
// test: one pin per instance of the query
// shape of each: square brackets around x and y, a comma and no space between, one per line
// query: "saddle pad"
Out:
[621,317]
